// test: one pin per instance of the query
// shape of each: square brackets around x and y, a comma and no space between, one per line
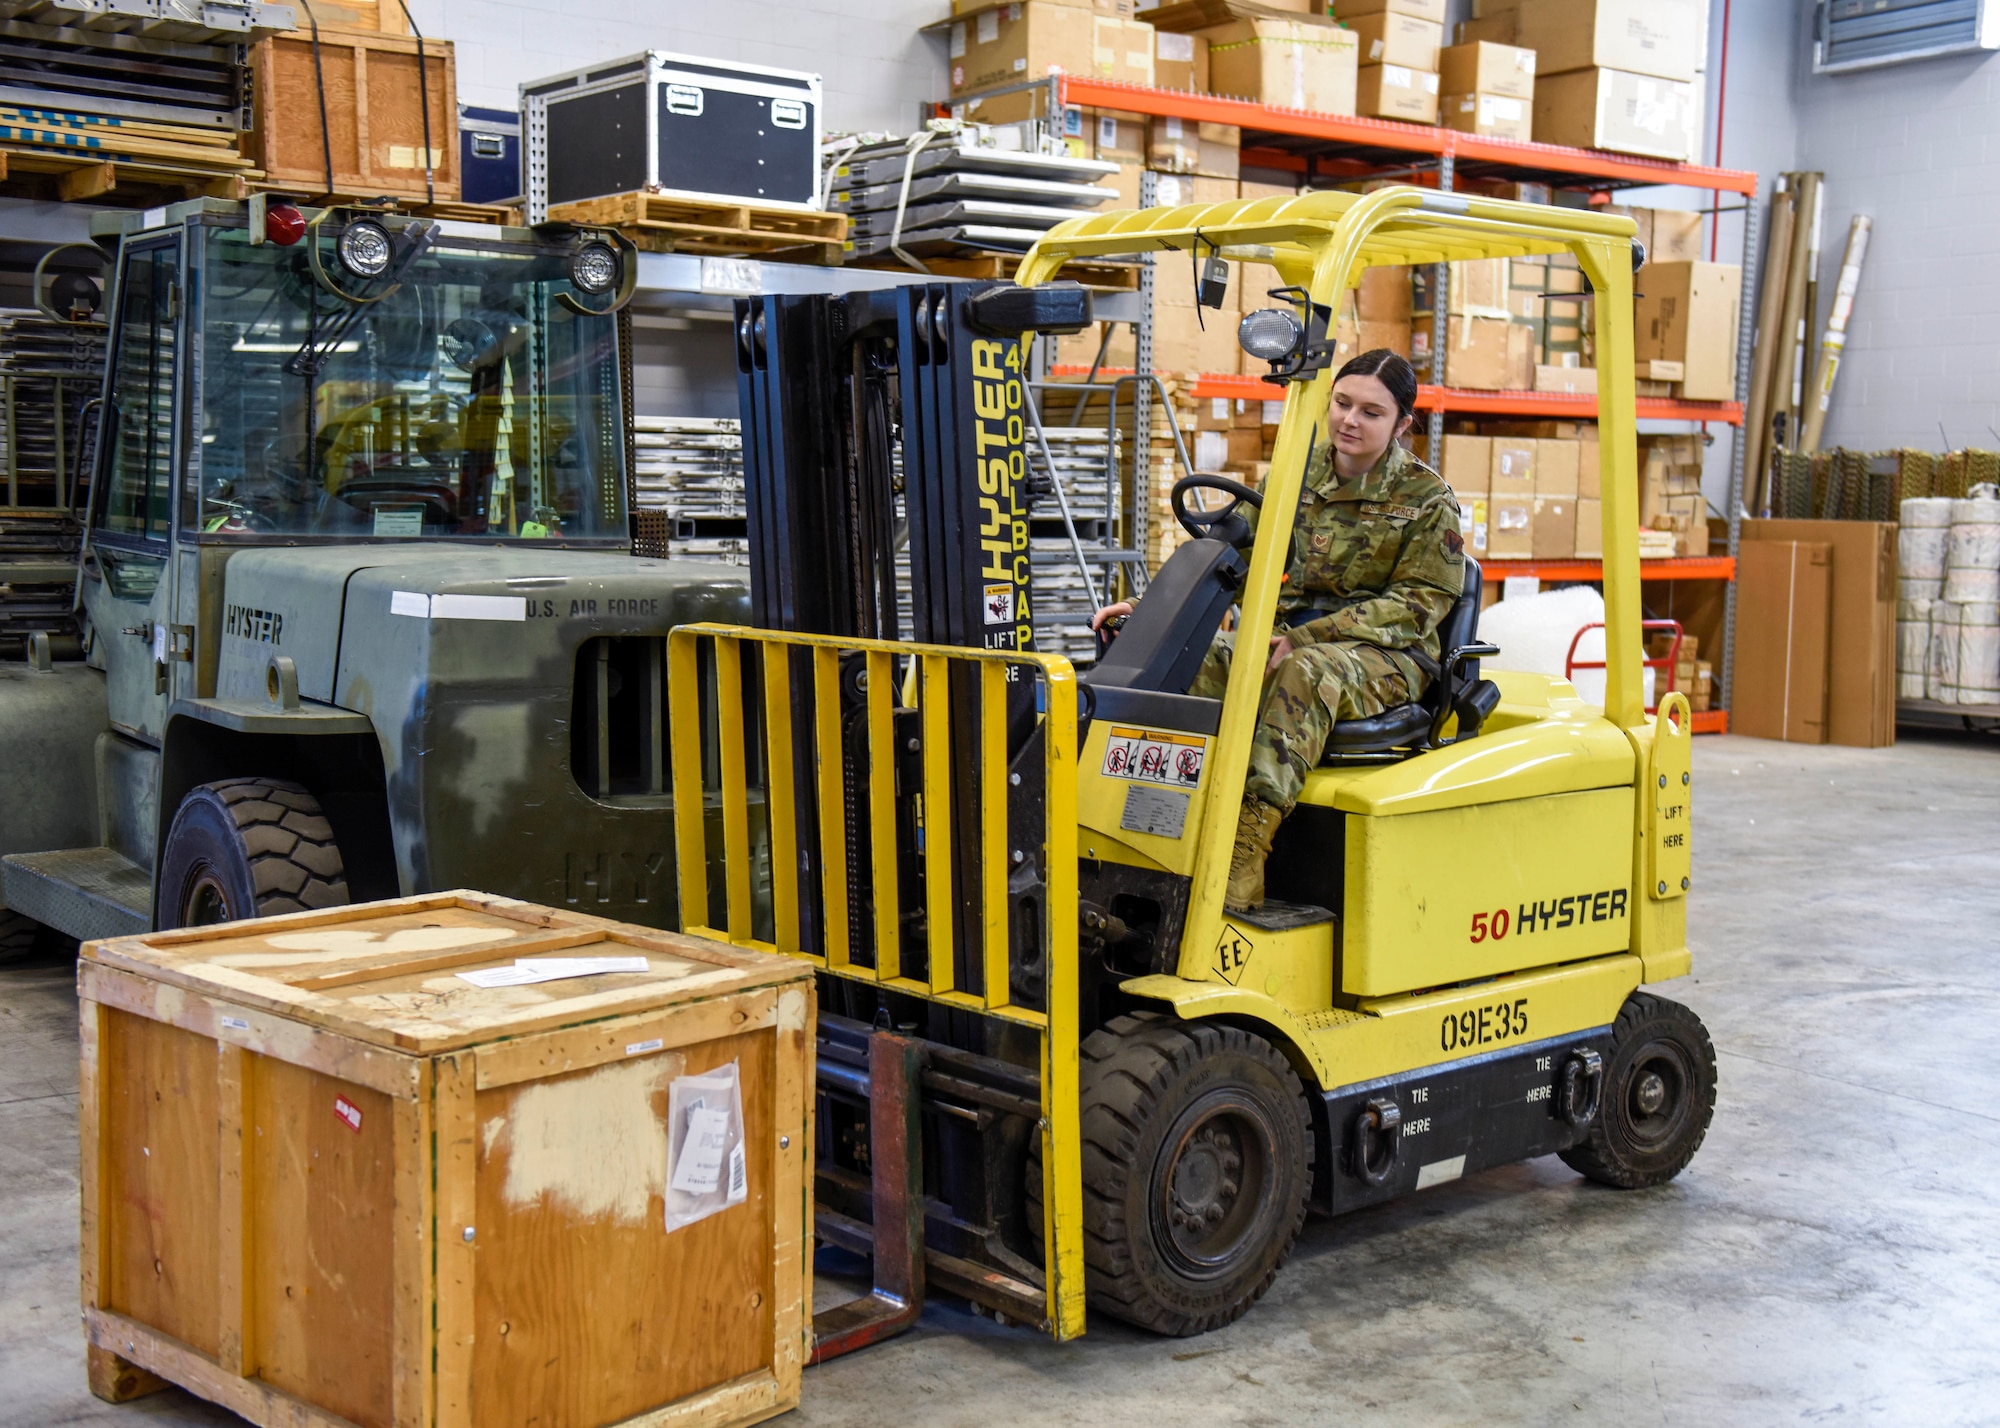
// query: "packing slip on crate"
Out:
[661,223]
[446,1160]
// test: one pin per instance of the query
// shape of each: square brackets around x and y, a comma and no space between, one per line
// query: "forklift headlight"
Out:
[364,248]
[593,269]
[1271,334]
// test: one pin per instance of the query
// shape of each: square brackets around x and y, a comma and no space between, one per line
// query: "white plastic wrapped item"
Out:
[1926,511]
[1534,634]
[1920,589]
[1972,553]
[706,1169]
[1913,647]
[1978,680]
[1941,678]
[1920,552]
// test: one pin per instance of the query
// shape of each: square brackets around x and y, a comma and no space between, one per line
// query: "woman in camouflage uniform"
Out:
[1376,564]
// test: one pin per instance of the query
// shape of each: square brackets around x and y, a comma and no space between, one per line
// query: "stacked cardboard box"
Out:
[1670,496]
[1400,41]
[1687,317]
[1488,89]
[1692,676]
[993,46]
[1271,53]
[1615,74]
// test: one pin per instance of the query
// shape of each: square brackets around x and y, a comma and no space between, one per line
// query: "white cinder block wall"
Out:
[1916,147]
[876,67]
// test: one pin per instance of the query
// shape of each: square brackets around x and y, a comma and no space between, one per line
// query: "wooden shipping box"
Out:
[325,1181]
[375,109]
[1861,671]
[1783,601]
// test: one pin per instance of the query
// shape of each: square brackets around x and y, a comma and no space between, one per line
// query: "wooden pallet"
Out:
[496,213]
[718,227]
[1006,265]
[70,175]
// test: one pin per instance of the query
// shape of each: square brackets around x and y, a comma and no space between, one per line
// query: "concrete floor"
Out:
[1833,1253]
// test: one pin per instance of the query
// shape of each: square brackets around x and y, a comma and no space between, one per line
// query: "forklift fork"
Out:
[896,1170]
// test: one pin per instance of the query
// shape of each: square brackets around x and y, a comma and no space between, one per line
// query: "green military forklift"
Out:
[357,611]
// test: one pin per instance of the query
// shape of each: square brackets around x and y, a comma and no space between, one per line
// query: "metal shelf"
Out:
[1709,721]
[1348,145]
[1684,567]
[1554,406]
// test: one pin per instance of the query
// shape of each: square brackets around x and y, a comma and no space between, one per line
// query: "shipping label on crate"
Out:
[707,1170]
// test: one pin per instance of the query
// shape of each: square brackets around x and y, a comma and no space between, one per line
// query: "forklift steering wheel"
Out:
[1204,523]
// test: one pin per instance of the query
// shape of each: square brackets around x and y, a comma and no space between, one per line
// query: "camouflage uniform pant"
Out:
[1315,687]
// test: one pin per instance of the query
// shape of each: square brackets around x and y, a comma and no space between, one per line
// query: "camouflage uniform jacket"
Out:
[1378,560]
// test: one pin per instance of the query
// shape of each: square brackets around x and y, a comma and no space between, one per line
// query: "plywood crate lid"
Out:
[386,973]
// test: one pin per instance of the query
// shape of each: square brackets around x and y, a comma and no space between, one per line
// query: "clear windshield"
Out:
[469,403]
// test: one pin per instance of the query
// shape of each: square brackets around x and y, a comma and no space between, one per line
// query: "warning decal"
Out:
[999,604]
[1173,760]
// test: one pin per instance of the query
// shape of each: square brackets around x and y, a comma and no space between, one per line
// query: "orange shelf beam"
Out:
[1554,406]
[1686,567]
[1422,139]
[1711,721]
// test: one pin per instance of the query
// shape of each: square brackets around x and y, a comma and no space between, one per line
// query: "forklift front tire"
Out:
[1658,1097]
[250,847]
[1197,1156]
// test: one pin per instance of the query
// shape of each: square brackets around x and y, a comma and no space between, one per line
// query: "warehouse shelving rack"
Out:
[1347,148]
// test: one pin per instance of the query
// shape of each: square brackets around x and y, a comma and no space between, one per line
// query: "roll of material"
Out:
[1972,553]
[1913,647]
[1920,551]
[1907,589]
[1941,677]
[1971,584]
[1975,511]
[1923,511]
[1978,676]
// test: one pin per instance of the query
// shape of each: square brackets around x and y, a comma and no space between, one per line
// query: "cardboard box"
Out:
[1468,466]
[1499,29]
[1388,38]
[1384,295]
[1510,528]
[1661,38]
[1574,381]
[1472,527]
[1784,607]
[1395,336]
[1553,534]
[1497,116]
[1512,471]
[1660,370]
[1117,137]
[1556,466]
[1006,44]
[1304,62]
[1589,478]
[1488,353]
[1255,188]
[1480,288]
[1616,110]
[1432,10]
[1862,666]
[1676,237]
[1171,191]
[1182,146]
[1393,91]
[1180,62]
[1589,528]
[1688,314]
[1486,68]
[1186,342]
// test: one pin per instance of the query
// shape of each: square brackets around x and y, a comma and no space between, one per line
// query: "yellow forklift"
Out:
[1053,1070]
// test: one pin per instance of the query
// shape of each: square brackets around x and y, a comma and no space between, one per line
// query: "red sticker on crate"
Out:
[348,1112]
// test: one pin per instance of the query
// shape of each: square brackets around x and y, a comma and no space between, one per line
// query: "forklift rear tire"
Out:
[1659,1095]
[248,847]
[1197,1164]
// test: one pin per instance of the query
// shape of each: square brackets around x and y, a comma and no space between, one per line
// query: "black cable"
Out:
[423,98]
[319,80]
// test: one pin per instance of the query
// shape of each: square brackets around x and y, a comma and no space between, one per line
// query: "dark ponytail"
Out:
[1392,371]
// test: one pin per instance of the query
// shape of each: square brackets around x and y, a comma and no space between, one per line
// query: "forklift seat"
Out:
[1145,673]
[1456,688]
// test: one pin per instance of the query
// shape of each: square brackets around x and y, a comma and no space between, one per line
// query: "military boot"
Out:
[1256,825]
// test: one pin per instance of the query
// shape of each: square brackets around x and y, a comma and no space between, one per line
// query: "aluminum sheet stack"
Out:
[55,71]
[966,193]
[158,19]
[692,469]
[48,371]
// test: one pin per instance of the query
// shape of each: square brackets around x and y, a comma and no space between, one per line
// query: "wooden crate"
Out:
[327,1183]
[374,112]
[663,224]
